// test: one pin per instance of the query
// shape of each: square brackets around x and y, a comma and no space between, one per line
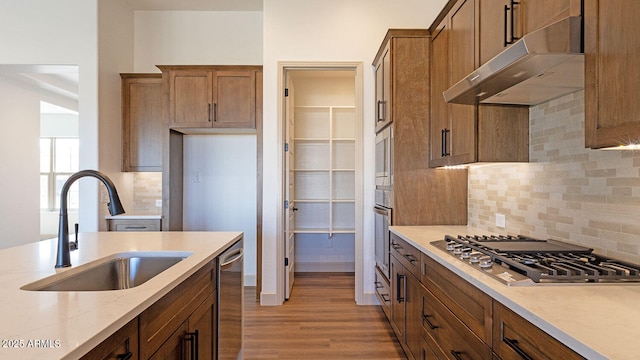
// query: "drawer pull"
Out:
[133,227]
[126,356]
[410,258]
[385,297]
[378,284]
[513,344]
[400,285]
[425,318]
[456,354]
[192,339]
[396,246]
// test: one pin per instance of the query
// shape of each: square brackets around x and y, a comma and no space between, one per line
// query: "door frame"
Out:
[357,68]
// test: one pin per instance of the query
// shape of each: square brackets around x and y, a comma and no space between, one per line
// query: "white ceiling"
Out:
[194,5]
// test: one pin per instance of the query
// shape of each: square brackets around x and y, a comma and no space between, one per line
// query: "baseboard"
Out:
[369,299]
[269,299]
[343,267]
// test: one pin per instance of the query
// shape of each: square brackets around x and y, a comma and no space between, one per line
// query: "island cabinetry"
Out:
[405,293]
[212,96]
[142,122]
[121,345]
[516,338]
[182,319]
[611,108]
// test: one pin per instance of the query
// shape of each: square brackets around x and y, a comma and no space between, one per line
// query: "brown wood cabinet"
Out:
[503,22]
[142,122]
[409,103]
[383,292]
[405,293]
[384,99]
[212,96]
[516,338]
[123,344]
[611,79]
[463,134]
[168,327]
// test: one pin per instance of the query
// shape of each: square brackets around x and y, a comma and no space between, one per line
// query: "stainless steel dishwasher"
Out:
[230,302]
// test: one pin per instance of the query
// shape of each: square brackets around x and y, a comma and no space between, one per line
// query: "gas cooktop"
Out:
[521,260]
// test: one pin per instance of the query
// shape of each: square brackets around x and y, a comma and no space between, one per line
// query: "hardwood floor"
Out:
[320,321]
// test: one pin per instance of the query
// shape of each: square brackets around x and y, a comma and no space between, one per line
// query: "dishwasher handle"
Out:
[237,255]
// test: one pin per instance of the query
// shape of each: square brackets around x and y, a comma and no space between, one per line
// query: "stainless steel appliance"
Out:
[383,197]
[521,260]
[230,300]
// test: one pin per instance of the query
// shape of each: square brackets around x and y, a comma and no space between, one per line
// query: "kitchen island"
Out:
[67,325]
[598,321]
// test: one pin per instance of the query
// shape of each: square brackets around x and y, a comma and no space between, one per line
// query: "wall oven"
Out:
[383,197]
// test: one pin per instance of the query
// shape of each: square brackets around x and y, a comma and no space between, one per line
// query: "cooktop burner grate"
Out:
[539,260]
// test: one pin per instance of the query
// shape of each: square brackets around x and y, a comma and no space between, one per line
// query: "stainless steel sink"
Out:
[121,271]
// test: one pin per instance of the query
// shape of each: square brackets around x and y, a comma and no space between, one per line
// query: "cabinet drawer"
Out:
[408,255]
[119,345]
[468,303]
[516,338]
[159,321]
[452,336]
[134,224]
[383,292]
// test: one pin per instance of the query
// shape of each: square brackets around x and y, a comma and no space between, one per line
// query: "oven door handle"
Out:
[226,263]
[383,211]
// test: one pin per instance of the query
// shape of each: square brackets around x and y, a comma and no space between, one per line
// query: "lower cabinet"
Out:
[121,345]
[383,292]
[438,315]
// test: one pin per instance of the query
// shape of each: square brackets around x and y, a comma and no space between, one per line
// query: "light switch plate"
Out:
[501,221]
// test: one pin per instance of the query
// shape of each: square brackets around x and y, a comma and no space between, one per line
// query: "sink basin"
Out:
[117,272]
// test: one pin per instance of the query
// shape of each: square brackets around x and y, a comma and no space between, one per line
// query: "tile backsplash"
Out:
[565,192]
[147,188]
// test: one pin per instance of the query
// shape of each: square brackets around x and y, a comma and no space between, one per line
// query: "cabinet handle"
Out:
[511,10]
[385,297]
[126,356]
[209,112]
[513,344]
[381,111]
[410,258]
[133,227]
[425,318]
[396,246]
[215,112]
[456,354]
[443,134]
[399,277]
[378,284]
[504,33]
[192,339]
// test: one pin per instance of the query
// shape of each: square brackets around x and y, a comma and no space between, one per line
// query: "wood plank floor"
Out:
[320,321]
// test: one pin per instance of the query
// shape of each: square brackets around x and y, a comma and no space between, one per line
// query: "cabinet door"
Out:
[540,13]
[495,27]
[398,296]
[234,103]
[611,79]
[384,115]
[462,137]
[175,347]
[190,98]
[439,83]
[413,315]
[202,323]
[142,122]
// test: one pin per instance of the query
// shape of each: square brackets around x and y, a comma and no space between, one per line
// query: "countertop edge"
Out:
[475,280]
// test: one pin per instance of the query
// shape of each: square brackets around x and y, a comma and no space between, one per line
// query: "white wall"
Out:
[115,56]
[324,30]
[197,38]
[220,189]
[46,32]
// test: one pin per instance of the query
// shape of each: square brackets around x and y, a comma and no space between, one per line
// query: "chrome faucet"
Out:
[115,208]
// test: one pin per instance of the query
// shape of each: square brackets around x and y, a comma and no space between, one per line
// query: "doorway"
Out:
[322,172]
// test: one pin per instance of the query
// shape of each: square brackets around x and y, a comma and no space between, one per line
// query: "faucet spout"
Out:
[115,208]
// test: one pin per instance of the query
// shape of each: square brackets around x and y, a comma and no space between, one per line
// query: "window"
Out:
[58,160]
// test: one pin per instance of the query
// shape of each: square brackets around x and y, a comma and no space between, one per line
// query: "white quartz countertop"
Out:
[598,321]
[66,325]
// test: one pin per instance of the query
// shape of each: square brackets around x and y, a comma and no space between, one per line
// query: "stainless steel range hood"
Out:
[543,65]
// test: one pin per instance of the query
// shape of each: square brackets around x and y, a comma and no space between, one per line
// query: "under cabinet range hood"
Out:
[543,65]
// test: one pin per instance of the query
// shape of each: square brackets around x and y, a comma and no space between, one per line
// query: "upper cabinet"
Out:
[463,134]
[212,96]
[611,80]
[503,22]
[382,67]
[141,122]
